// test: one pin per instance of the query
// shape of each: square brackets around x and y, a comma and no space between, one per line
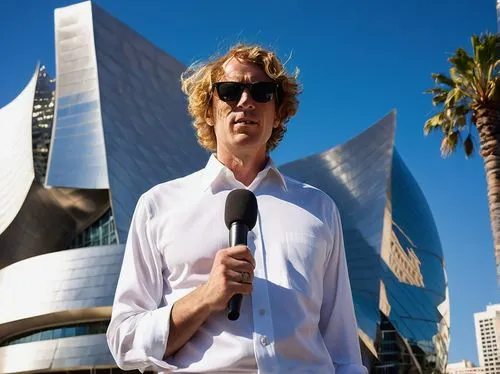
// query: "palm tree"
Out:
[470,98]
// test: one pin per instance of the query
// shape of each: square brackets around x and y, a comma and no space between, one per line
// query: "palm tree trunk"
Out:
[488,126]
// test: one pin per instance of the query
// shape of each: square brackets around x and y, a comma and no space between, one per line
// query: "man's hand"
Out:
[232,273]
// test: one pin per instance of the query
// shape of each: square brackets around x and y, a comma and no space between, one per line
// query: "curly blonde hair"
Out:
[197,83]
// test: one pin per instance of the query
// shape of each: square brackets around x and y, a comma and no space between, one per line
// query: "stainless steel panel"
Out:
[356,175]
[16,158]
[77,155]
[148,135]
[393,248]
[68,287]
[76,353]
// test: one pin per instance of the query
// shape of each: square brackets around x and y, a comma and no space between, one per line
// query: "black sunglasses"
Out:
[262,92]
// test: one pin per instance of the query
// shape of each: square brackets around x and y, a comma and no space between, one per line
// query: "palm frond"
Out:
[443,79]
[434,123]
[439,99]
[494,90]
[485,49]
[472,83]
[464,82]
[459,122]
[449,144]
[453,97]
[437,90]
[462,110]
[462,61]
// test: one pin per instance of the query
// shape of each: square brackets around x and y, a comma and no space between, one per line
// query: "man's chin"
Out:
[245,141]
[243,137]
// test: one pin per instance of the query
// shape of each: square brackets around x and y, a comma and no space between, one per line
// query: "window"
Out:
[90,328]
[101,232]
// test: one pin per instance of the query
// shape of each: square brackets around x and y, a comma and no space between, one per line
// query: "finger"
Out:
[238,265]
[241,252]
[240,276]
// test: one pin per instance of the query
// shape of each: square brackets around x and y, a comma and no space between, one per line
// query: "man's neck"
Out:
[245,169]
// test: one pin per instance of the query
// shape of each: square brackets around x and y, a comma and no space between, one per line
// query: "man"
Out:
[178,275]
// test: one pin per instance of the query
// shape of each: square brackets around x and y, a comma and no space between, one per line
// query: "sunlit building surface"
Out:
[118,126]
[464,367]
[487,325]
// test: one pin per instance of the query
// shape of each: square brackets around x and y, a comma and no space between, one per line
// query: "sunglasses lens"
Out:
[230,91]
[263,92]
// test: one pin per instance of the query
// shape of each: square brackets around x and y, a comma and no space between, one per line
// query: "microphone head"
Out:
[241,206]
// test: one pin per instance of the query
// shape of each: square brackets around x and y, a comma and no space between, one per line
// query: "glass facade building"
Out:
[101,232]
[120,127]
[393,250]
[43,114]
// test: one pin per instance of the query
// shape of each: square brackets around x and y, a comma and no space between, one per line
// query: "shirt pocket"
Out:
[305,256]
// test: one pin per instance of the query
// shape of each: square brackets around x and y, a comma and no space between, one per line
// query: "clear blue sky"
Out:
[358,60]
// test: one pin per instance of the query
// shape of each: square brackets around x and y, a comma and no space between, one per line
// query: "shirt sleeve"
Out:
[338,324]
[138,332]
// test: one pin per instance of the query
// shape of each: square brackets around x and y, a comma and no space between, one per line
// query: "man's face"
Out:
[243,126]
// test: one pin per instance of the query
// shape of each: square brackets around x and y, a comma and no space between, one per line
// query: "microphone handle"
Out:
[238,234]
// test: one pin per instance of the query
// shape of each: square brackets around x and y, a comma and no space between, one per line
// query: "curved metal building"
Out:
[393,250]
[73,165]
[119,127]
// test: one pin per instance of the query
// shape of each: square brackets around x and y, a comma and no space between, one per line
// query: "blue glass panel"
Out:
[80,330]
[77,157]
[78,109]
[61,332]
[66,100]
[68,332]
[75,120]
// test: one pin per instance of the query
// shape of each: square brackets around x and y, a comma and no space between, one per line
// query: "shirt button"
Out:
[264,340]
[262,311]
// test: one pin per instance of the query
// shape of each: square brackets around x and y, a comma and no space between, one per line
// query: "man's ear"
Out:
[209,117]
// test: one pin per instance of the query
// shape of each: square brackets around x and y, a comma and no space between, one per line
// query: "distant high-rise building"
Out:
[464,367]
[488,338]
[43,115]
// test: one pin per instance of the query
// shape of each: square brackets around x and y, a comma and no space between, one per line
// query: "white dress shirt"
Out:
[300,316]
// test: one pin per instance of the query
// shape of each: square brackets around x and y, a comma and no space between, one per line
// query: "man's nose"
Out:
[246,100]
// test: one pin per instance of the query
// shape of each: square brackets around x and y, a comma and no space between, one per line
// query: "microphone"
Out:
[240,217]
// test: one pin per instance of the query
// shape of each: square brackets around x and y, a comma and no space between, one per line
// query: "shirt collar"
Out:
[216,169]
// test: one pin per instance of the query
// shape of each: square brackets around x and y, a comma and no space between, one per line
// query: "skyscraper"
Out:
[487,325]
[43,114]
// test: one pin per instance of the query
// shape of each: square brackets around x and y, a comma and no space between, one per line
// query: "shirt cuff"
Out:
[152,334]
